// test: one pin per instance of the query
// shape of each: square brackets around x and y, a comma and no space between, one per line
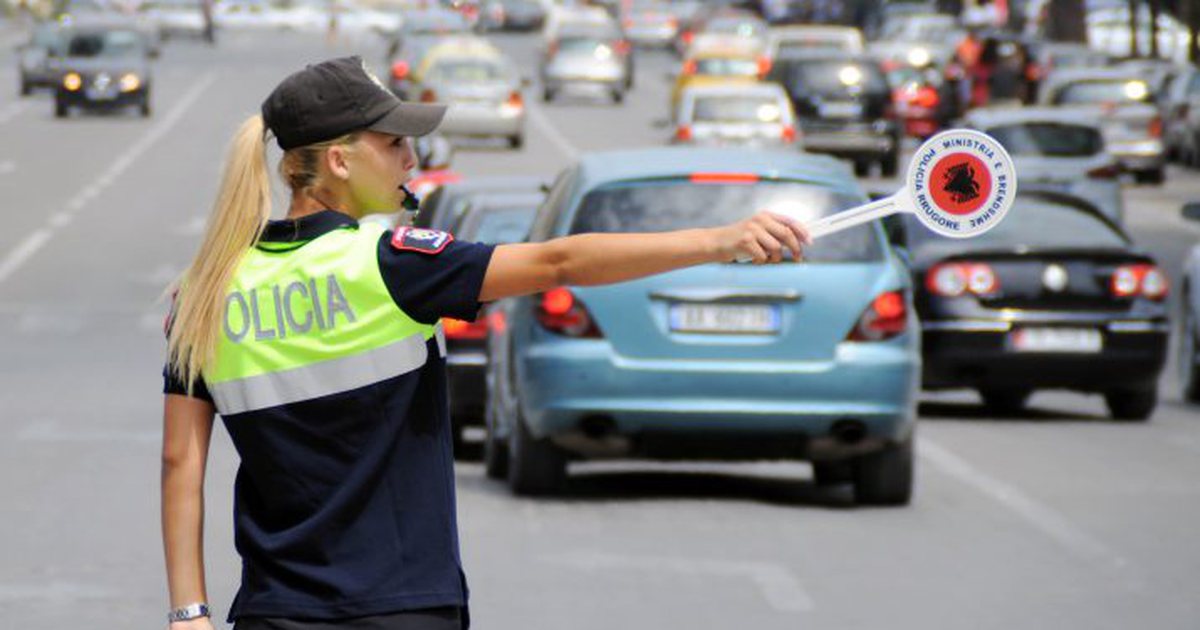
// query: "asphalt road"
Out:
[1059,518]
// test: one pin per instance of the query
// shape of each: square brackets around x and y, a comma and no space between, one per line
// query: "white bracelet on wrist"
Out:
[189,612]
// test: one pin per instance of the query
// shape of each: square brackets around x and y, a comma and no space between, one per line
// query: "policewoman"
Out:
[316,339]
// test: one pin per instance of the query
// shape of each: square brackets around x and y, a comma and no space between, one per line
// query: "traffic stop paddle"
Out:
[960,183]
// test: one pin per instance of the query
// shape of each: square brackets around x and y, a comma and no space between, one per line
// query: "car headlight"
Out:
[130,82]
[919,57]
[72,81]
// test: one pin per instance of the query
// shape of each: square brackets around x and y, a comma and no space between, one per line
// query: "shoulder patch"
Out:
[421,240]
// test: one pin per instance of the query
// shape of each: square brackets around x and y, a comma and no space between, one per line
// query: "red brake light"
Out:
[497,321]
[687,37]
[516,100]
[683,133]
[689,68]
[788,133]
[926,97]
[1146,280]
[622,47]
[428,96]
[724,178]
[886,317]
[558,311]
[400,70]
[955,279]
[458,329]
[1156,127]
[764,66]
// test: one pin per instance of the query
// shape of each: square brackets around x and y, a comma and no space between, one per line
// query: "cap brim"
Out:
[410,119]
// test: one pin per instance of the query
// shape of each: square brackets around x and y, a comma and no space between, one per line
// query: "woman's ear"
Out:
[337,161]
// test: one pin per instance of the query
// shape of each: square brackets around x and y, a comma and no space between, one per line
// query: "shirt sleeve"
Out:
[430,286]
[174,384]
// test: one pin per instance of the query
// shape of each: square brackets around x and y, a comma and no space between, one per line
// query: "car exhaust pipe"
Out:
[849,432]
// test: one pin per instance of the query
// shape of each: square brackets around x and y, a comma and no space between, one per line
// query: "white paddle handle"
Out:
[846,219]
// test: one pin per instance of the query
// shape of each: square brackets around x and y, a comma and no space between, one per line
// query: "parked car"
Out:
[480,85]
[37,59]
[1055,297]
[104,68]
[495,219]
[758,115]
[1124,104]
[586,63]
[815,361]
[1189,330]
[1057,149]
[844,105]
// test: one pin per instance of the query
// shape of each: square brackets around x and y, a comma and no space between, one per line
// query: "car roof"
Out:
[605,167]
[993,116]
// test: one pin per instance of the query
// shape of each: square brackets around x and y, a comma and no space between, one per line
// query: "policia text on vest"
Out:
[297,307]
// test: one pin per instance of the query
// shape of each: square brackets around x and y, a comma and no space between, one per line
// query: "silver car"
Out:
[481,87]
[588,63]
[650,23]
[1059,150]
[1124,104]
[37,58]
[755,115]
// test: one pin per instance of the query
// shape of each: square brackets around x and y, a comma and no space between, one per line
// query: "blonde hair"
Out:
[242,209]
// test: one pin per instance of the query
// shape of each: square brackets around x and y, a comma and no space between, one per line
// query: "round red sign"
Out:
[960,183]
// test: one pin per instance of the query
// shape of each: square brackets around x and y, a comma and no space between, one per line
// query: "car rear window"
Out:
[755,109]
[727,67]
[1033,222]
[496,225]
[833,77]
[1049,139]
[1107,91]
[675,204]
[582,44]
[468,70]
[733,26]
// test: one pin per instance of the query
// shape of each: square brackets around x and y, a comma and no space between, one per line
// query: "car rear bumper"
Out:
[564,388]
[1139,155]
[979,355]
[121,99]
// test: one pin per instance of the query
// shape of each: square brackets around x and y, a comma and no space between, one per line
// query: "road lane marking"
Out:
[542,121]
[35,241]
[779,586]
[1042,517]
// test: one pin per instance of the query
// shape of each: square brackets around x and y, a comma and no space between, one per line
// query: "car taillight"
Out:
[1108,171]
[622,47]
[497,322]
[458,329]
[683,133]
[1156,127]
[400,70]
[428,96]
[689,68]
[926,97]
[1145,280]
[764,66]
[687,37]
[884,318]
[788,133]
[515,100]
[559,311]
[723,178]
[955,279]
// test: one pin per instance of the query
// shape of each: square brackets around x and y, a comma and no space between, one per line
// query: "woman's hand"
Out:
[762,238]
[200,623]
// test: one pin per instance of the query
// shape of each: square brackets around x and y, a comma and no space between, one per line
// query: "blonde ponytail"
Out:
[242,209]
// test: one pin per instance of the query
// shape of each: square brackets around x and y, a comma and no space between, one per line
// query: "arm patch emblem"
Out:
[421,240]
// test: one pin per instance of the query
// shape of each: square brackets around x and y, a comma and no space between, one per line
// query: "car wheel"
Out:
[1189,375]
[832,473]
[60,109]
[1151,176]
[144,107]
[1132,404]
[885,477]
[26,88]
[547,95]
[535,467]
[618,96]
[516,142]
[1005,401]
[495,451]
[862,167]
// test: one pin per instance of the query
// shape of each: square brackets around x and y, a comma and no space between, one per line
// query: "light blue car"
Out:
[816,361]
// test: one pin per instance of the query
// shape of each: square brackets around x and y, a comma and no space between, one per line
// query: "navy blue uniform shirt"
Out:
[344,505]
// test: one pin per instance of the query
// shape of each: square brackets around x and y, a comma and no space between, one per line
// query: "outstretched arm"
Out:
[187,427]
[590,259]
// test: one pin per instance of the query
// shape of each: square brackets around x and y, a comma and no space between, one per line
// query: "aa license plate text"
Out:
[1077,340]
[725,318]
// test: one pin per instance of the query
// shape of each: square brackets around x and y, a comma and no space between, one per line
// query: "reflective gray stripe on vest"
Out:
[320,379]
[440,333]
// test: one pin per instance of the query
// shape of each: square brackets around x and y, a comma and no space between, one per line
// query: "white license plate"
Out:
[725,318]
[839,109]
[1072,340]
[96,94]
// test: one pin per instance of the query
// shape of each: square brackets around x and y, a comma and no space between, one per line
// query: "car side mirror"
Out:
[1191,211]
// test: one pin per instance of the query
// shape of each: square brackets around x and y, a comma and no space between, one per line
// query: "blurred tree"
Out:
[1065,21]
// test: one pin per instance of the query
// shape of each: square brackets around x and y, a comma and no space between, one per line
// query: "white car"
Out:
[786,41]
[1108,31]
[754,115]
[1057,149]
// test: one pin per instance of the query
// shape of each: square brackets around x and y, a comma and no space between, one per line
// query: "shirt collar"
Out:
[306,228]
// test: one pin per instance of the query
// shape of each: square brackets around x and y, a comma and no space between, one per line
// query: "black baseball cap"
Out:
[336,97]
